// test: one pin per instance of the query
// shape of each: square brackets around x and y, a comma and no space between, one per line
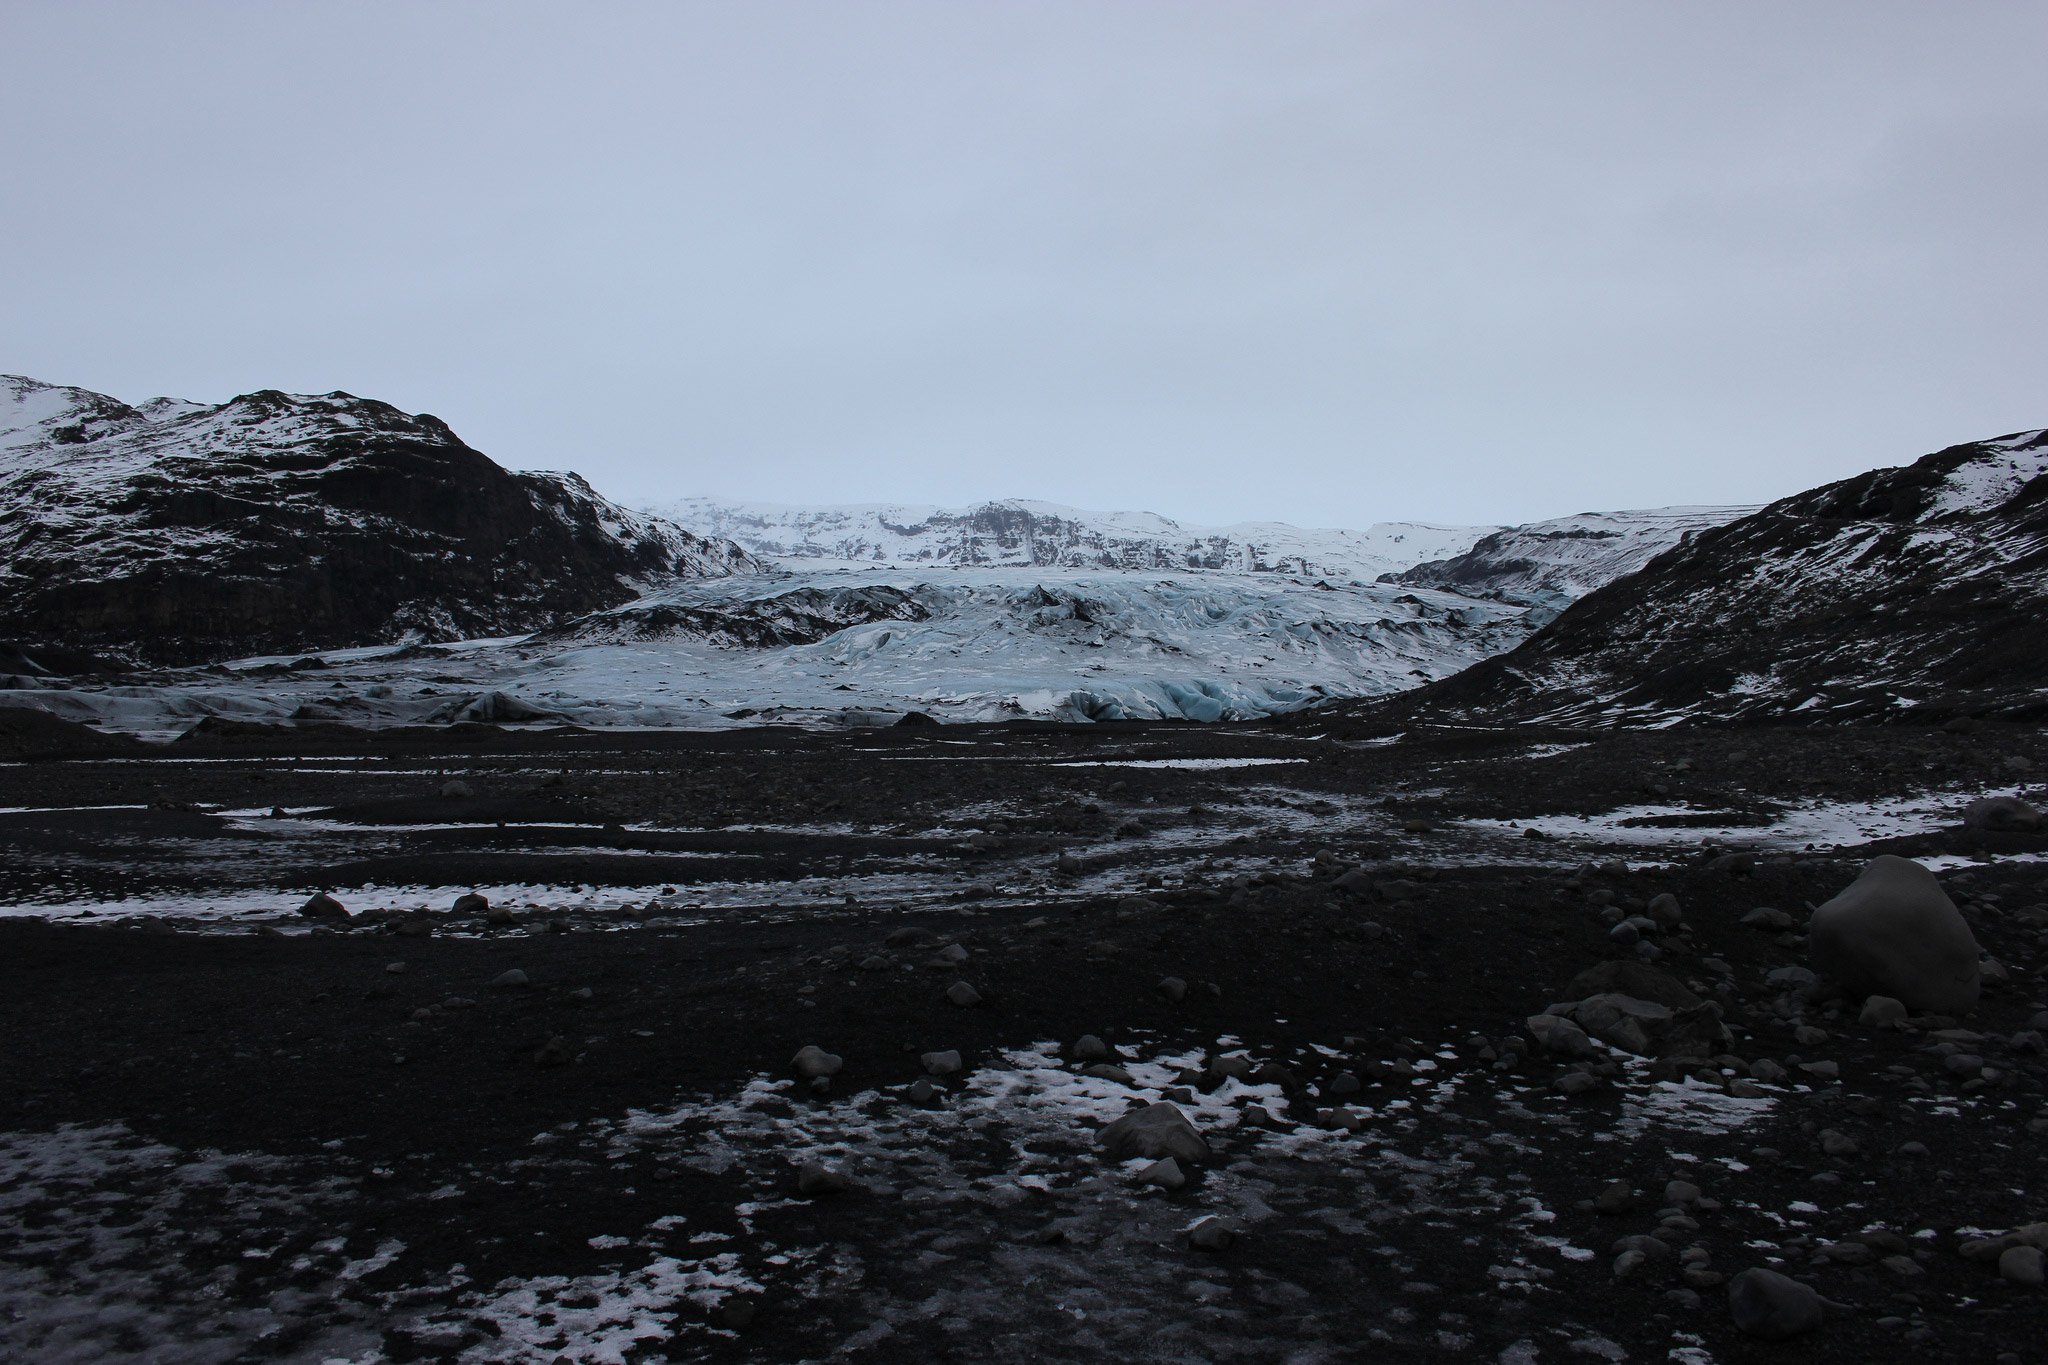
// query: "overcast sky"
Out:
[1320,263]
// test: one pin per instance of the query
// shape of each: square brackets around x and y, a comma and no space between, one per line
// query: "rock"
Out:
[1173,988]
[395,968]
[1806,1035]
[1344,1083]
[922,1090]
[1110,1071]
[1167,1175]
[1574,1083]
[1895,932]
[2022,1266]
[554,1052]
[815,1180]
[1737,864]
[1663,908]
[1635,980]
[1822,1071]
[952,955]
[2002,815]
[1745,1090]
[812,1062]
[1628,1263]
[1089,1048]
[1963,1064]
[415,926]
[1214,1234]
[1835,1143]
[1881,1011]
[456,790]
[1769,920]
[470,903]
[1356,882]
[1625,934]
[738,1311]
[1681,1193]
[1913,1149]
[1157,1130]
[1628,1035]
[500,914]
[962,995]
[1772,1306]
[1618,1197]
[515,977]
[875,963]
[941,1063]
[1790,978]
[1652,1248]
[323,906]
[910,936]
[1559,1036]
[1069,865]
[1769,1072]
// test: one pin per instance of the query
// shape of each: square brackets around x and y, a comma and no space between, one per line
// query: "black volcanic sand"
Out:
[230,1145]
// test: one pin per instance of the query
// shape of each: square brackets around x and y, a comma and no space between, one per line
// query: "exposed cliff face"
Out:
[177,532]
[1916,591]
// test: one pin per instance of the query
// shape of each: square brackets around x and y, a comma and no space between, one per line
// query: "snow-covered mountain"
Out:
[1918,591]
[183,531]
[1559,561]
[1018,533]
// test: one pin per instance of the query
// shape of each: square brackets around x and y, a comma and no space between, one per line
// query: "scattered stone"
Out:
[814,1180]
[812,1062]
[1895,932]
[1772,1306]
[1635,980]
[1835,1143]
[323,906]
[1157,1130]
[1618,1197]
[515,977]
[1559,1036]
[2022,1266]
[2002,815]
[1173,988]
[962,995]
[1167,1175]
[941,1063]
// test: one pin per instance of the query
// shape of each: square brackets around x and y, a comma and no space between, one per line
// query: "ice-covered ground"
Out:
[866,647]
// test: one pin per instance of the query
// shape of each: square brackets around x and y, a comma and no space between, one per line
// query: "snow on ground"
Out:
[1063,1242]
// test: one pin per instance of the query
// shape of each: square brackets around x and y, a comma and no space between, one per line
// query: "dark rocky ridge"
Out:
[1911,592]
[179,533]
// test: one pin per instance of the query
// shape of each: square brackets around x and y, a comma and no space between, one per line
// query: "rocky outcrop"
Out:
[1913,593]
[178,533]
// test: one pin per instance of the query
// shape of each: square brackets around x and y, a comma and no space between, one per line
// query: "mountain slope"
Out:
[1019,533]
[177,532]
[1559,561]
[1921,590]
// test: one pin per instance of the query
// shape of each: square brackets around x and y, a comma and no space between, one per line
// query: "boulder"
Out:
[1637,980]
[2002,815]
[941,1063]
[1895,932]
[1156,1131]
[1089,1048]
[812,1062]
[470,903]
[1559,1036]
[323,906]
[962,995]
[1772,1306]
[1663,908]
